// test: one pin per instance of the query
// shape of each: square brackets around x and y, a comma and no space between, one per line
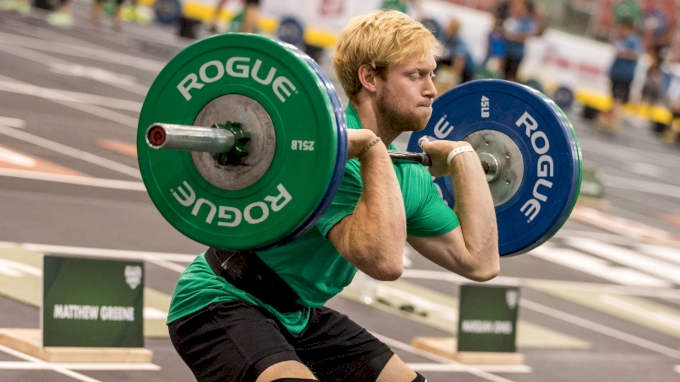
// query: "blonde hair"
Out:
[379,39]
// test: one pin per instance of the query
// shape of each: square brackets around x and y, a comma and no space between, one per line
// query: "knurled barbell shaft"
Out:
[207,139]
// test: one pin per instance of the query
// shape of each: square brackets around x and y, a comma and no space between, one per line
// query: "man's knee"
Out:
[419,378]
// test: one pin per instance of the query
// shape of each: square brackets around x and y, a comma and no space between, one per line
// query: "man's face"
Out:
[404,98]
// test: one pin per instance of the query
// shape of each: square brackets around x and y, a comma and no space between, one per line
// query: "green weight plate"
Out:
[262,200]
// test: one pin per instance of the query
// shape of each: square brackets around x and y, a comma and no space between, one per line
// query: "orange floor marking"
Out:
[13,159]
[119,147]
[623,226]
[671,219]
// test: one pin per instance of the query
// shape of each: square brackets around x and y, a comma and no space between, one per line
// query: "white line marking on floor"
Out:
[151,66]
[647,169]
[58,369]
[633,290]
[161,258]
[151,313]
[72,179]
[596,266]
[12,268]
[63,95]
[661,252]
[624,226]
[406,347]
[605,237]
[9,365]
[676,368]
[70,151]
[12,122]
[642,186]
[628,258]
[65,99]
[658,317]
[599,328]
[459,368]
[628,153]
[90,73]
[16,159]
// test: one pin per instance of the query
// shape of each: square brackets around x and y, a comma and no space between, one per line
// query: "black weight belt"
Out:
[249,273]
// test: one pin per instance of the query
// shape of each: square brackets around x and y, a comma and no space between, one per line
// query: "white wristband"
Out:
[457,151]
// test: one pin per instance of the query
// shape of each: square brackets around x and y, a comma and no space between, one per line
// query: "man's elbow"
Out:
[486,268]
[386,270]
[486,273]
[389,271]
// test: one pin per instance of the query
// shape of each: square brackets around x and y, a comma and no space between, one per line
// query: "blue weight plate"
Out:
[563,97]
[291,30]
[528,122]
[341,153]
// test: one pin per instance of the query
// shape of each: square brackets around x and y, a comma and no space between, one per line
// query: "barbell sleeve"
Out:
[189,138]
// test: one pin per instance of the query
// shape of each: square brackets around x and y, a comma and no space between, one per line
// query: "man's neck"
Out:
[369,117]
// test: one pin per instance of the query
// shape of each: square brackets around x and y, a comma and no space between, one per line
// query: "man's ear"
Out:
[368,78]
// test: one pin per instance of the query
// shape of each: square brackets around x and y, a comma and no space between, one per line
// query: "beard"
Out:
[395,119]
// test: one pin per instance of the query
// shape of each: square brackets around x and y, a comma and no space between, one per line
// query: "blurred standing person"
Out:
[627,10]
[516,30]
[249,16]
[672,131]
[496,45]
[63,17]
[98,7]
[400,5]
[456,60]
[629,47]
[21,6]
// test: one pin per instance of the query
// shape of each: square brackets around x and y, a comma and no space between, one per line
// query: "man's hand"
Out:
[357,140]
[438,151]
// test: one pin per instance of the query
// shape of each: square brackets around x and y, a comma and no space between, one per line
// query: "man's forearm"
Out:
[475,209]
[376,234]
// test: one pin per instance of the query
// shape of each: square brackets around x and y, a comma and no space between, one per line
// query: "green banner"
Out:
[487,319]
[92,302]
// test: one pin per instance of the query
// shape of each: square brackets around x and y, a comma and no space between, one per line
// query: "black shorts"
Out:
[119,2]
[621,90]
[237,341]
[512,67]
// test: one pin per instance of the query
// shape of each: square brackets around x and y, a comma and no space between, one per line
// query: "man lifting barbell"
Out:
[267,321]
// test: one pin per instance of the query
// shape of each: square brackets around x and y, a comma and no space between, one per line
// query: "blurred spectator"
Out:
[21,6]
[622,71]
[98,7]
[516,30]
[652,92]
[500,14]
[61,18]
[672,131]
[248,20]
[658,31]
[456,61]
[627,10]
[399,5]
[494,61]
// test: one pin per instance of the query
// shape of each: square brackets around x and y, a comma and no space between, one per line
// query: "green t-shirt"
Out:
[310,264]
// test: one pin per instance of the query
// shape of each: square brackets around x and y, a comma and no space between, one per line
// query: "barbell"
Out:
[242,145]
